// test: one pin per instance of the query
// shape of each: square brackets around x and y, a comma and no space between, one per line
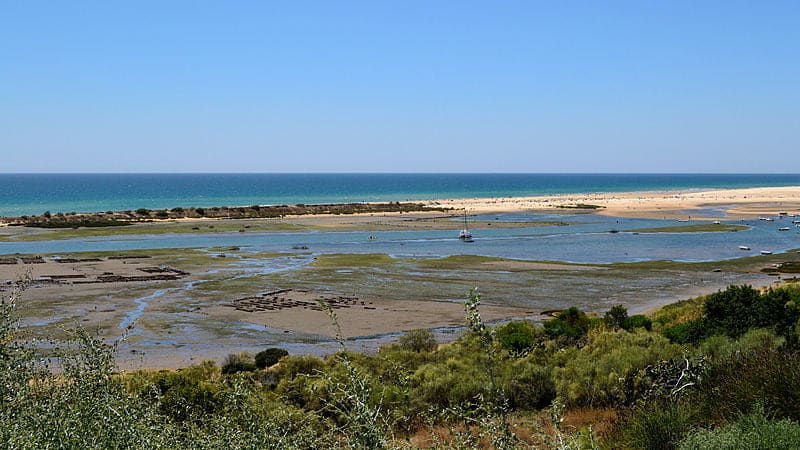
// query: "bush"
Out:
[184,398]
[570,323]
[688,332]
[269,357]
[739,308]
[637,321]
[418,340]
[235,363]
[753,431]
[516,336]
[615,317]
[761,374]
[595,375]
[528,386]
[659,425]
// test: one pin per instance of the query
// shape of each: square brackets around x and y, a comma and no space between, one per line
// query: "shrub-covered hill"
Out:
[576,381]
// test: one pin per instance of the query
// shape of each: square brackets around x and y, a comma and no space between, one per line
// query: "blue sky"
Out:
[391,86]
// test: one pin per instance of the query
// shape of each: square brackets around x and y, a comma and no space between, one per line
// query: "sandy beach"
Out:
[736,203]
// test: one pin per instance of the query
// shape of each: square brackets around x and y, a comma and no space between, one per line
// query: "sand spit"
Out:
[735,203]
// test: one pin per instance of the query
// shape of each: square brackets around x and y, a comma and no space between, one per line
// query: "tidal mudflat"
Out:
[176,307]
[183,291]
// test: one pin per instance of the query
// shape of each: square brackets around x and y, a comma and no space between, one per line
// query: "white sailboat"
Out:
[465,235]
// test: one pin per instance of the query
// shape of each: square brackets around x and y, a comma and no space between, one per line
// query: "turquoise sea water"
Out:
[22,194]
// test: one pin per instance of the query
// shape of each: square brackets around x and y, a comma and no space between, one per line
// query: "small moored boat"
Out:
[766,252]
[465,235]
[744,247]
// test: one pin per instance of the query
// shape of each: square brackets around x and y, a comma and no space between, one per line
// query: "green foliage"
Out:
[637,321]
[571,323]
[752,431]
[269,357]
[657,426]
[615,317]
[517,336]
[418,340]
[739,308]
[659,390]
[687,332]
[235,363]
[595,374]
[459,381]
[86,223]
[761,373]
[182,397]
[528,385]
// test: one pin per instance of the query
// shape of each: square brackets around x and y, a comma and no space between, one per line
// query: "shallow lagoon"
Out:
[586,240]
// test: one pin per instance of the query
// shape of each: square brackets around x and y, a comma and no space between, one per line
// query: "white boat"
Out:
[717,222]
[766,252]
[783,229]
[465,235]
[744,247]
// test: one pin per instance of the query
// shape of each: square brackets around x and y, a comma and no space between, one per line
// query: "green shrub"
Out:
[615,317]
[269,357]
[235,363]
[638,321]
[183,398]
[739,308]
[762,373]
[656,426]
[753,431]
[595,375]
[528,386]
[516,336]
[570,323]
[291,366]
[687,332]
[418,340]
[456,382]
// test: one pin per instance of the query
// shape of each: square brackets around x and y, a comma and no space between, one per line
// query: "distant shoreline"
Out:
[33,194]
[723,203]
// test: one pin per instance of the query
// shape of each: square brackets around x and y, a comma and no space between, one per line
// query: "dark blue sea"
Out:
[27,194]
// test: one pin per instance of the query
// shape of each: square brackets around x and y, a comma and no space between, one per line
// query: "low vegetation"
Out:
[722,371]
[695,228]
[117,218]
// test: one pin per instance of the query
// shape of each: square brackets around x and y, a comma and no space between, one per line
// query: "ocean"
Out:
[28,194]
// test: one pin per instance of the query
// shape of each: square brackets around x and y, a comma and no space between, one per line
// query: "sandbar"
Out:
[731,203]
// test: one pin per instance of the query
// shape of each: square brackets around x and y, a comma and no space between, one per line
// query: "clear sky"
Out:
[399,86]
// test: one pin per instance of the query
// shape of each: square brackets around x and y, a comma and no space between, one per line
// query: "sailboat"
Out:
[465,235]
